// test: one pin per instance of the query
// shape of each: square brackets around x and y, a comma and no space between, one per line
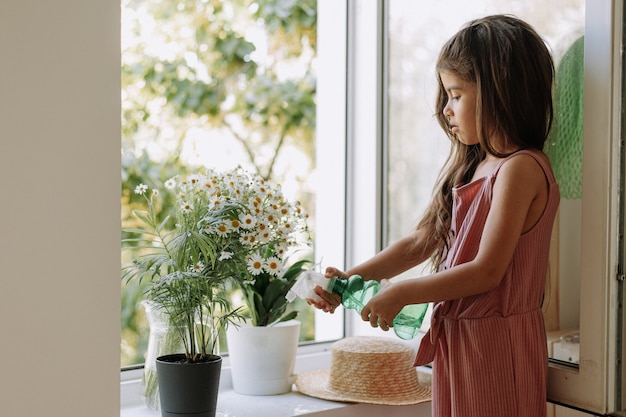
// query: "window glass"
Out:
[216,84]
[417,147]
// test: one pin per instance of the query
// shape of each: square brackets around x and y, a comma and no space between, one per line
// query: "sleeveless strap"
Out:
[542,163]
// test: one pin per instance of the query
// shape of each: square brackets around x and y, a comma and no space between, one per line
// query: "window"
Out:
[417,147]
[583,322]
[221,84]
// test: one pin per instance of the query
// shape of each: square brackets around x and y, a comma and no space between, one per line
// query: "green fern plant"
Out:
[187,283]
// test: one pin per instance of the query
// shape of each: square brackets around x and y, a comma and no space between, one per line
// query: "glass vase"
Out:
[163,340]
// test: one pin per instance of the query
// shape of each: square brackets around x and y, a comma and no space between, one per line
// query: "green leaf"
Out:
[289,316]
[275,291]
[259,309]
[294,271]
[144,216]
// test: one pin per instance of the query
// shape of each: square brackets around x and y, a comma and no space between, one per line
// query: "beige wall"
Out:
[59,236]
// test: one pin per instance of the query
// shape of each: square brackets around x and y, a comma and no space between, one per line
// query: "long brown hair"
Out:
[514,73]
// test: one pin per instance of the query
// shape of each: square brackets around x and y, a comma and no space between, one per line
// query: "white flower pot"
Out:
[262,359]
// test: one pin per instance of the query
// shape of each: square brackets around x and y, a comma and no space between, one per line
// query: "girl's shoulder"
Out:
[517,166]
[526,161]
[527,167]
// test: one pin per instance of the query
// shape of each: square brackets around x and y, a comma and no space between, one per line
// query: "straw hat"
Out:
[373,370]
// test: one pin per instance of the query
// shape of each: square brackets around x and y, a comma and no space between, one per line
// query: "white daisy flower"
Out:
[287,227]
[222,229]
[215,201]
[141,189]
[207,184]
[271,218]
[186,207]
[274,266]
[235,224]
[261,188]
[255,264]
[194,179]
[247,220]
[262,225]
[198,267]
[170,184]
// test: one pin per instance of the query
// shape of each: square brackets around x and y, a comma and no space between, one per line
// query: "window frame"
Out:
[331,149]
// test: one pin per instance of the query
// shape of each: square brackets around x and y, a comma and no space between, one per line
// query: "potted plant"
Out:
[188,280]
[271,331]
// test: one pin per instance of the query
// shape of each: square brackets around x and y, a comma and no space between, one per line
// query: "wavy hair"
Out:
[513,72]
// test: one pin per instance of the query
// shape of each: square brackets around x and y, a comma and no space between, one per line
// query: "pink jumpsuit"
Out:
[489,351]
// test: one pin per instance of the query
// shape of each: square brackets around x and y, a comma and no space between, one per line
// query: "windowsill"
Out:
[231,404]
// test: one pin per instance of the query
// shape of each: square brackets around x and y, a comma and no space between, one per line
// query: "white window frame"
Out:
[365,139]
[331,128]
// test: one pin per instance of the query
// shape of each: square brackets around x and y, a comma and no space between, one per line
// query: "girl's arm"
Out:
[519,197]
[393,260]
[398,257]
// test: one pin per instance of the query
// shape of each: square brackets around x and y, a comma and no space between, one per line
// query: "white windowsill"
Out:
[231,404]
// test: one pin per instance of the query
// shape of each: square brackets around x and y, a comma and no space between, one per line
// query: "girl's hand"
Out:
[382,308]
[329,301]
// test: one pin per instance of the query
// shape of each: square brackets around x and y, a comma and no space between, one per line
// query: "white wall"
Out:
[59,210]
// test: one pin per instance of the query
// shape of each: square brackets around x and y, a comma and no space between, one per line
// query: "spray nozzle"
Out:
[304,287]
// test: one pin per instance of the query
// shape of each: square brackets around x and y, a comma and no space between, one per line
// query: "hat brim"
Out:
[315,384]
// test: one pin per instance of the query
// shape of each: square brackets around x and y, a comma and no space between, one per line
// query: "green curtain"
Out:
[564,146]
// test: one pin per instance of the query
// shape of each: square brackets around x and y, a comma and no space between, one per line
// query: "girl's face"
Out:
[460,110]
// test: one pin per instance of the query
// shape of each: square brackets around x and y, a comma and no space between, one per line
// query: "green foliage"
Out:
[265,296]
[185,281]
[218,76]
[289,22]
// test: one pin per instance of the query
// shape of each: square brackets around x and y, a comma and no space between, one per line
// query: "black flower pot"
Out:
[188,388]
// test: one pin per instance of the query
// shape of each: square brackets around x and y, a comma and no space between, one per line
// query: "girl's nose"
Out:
[447,111]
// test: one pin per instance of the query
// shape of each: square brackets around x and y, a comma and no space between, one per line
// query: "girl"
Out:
[487,228]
